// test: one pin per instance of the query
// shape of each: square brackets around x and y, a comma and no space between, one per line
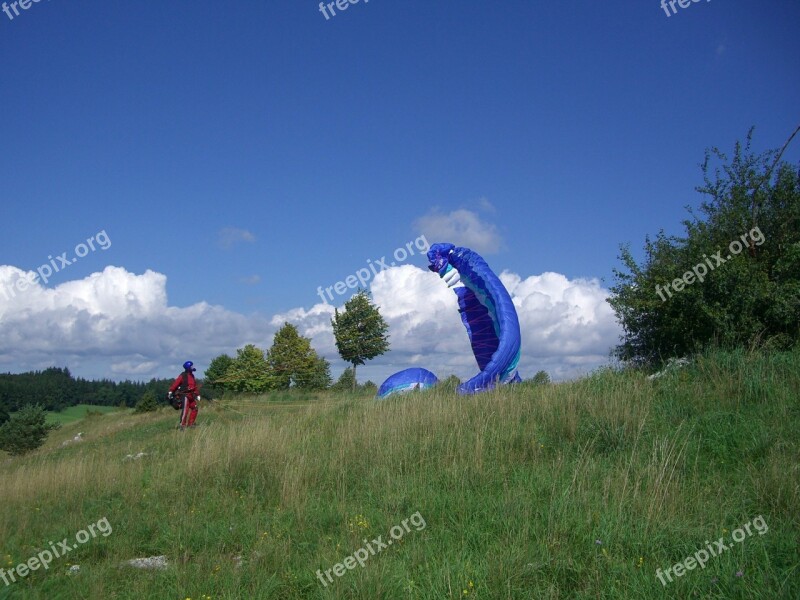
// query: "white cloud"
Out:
[485,205]
[461,227]
[119,324]
[130,367]
[114,321]
[567,326]
[228,236]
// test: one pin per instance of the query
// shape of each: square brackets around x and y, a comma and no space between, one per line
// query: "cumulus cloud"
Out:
[461,227]
[120,324]
[228,236]
[485,205]
[567,326]
[114,321]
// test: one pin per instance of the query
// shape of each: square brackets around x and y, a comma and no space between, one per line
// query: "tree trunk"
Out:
[354,377]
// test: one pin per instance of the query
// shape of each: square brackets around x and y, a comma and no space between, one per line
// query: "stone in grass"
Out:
[74,570]
[152,562]
[135,456]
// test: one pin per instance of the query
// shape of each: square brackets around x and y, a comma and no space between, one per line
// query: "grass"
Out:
[577,490]
[78,412]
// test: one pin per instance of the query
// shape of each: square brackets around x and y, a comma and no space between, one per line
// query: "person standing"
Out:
[185,387]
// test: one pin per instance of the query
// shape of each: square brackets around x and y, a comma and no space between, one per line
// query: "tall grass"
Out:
[576,490]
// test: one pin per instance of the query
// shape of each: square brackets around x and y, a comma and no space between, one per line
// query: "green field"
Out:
[77,412]
[577,490]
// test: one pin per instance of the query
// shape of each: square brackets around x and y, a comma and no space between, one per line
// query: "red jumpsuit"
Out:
[190,398]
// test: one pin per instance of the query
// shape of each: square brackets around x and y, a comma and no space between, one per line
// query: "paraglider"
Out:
[406,381]
[487,312]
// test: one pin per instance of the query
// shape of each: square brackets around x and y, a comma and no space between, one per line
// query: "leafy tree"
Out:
[292,361]
[147,403]
[541,378]
[739,262]
[360,331]
[249,371]
[318,377]
[217,371]
[369,387]
[4,416]
[26,430]
[346,381]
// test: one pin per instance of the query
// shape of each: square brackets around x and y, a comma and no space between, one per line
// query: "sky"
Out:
[210,168]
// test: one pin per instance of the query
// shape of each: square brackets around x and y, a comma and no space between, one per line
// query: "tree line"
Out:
[291,361]
[56,389]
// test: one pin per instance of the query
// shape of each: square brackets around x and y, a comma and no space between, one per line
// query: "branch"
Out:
[766,179]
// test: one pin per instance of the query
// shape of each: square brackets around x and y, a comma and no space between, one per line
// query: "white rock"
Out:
[135,456]
[152,562]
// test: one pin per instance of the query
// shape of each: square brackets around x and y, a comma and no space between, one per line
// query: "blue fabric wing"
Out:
[487,312]
[406,381]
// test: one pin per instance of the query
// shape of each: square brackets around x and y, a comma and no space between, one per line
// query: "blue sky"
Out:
[246,153]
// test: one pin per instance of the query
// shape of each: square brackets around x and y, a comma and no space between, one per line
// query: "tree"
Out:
[147,403]
[369,386]
[733,280]
[4,416]
[318,377]
[292,361]
[26,430]
[249,371]
[360,331]
[346,381]
[217,371]
[541,378]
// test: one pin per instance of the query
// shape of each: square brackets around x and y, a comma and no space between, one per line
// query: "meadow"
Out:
[575,490]
[77,412]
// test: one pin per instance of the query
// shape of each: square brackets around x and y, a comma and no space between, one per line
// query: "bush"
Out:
[369,387]
[541,378]
[450,383]
[147,403]
[25,431]
[678,300]
[346,381]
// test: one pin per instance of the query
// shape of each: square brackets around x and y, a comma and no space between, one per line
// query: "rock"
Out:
[135,456]
[152,562]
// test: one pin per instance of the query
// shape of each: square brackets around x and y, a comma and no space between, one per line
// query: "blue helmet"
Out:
[189,366]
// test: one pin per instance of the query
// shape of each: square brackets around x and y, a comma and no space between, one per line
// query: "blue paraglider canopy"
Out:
[488,314]
[406,381]
[487,311]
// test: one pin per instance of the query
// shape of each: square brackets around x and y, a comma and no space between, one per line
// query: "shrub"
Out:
[147,403]
[26,430]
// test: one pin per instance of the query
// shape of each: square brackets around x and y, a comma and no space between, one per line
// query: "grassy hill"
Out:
[577,490]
